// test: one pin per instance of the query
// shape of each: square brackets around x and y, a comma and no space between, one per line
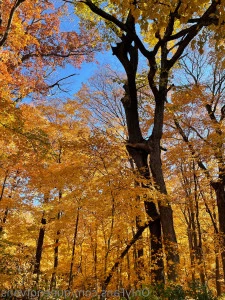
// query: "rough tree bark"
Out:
[140,156]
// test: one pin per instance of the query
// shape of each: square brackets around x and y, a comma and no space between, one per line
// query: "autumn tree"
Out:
[66,183]
[34,47]
[195,219]
[167,29]
[200,123]
[101,95]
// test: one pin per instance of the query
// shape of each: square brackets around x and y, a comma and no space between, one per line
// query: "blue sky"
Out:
[69,23]
[87,70]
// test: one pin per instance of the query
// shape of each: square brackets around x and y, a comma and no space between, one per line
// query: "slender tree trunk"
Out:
[140,253]
[199,249]
[128,270]
[39,247]
[56,256]
[3,185]
[4,219]
[192,236]
[95,259]
[70,284]
[40,242]
[135,258]
[13,187]
[108,240]
[197,229]
[123,253]
[56,248]
[217,250]
[218,284]
[190,244]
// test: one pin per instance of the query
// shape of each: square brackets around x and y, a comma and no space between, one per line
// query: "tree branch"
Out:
[6,33]
[125,251]
[198,134]
[192,31]
[58,81]
[120,24]
[193,152]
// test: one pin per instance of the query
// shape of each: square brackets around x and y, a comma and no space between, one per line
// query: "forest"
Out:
[113,188]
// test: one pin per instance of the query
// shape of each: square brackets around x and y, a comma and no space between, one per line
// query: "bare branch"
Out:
[57,83]
[192,150]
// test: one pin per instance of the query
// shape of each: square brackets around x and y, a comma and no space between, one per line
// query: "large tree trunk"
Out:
[139,149]
[166,214]
[140,158]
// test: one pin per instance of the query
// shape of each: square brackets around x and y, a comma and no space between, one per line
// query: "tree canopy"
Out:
[120,187]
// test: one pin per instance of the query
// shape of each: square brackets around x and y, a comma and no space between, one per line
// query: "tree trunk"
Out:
[190,244]
[40,242]
[140,253]
[4,185]
[4,219]
[56,256]
[39,247]
[139,250]
[13,187]
[73,250]
[199,249]
[219,188]
[56,248]
[139,149]
[217,250]
[140,156]
[218,284]
[166,214]
[123,253]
